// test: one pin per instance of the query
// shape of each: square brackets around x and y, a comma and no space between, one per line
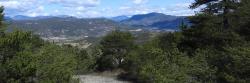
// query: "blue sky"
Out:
[95,8]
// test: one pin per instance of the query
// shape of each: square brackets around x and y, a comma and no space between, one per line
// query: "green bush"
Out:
[26,58]
[114,46]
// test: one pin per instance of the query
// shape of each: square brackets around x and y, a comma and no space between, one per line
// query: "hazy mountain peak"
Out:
[119,18]
[23,17]
[154,19]
[155,13]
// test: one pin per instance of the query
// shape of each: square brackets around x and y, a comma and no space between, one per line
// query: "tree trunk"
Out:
[225,13]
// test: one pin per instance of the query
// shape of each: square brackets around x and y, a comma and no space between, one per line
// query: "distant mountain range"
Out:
[22,17]
[72,27]
[65,27]
[156,20]
[149,21]
[119,18]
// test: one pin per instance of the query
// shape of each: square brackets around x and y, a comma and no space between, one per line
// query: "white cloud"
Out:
[36,7]
[179,9]
[11,4]
[87,8]
[139,1]
[39,11]
[73,3]
[21,5]
[80,8]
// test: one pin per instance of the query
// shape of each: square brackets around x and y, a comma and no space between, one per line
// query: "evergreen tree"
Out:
[241,20]
[16,52]
[115,46]
[54,64]
[159,61]
[2,26]
[213,30]
[25,58]
[218,7]
[212,27]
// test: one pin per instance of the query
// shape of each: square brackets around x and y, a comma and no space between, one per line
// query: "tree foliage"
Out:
[25,58]
[214,49]
[115,46]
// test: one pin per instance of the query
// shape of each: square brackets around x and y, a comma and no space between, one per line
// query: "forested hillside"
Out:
[67,27]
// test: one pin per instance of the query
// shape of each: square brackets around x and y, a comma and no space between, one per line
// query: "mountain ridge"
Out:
[156,20]
[148,21]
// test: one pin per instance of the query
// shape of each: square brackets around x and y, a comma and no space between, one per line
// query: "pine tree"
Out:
[2,21]
[213,26]
[159,61]
[218,7]
[115,46]
[242,19]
